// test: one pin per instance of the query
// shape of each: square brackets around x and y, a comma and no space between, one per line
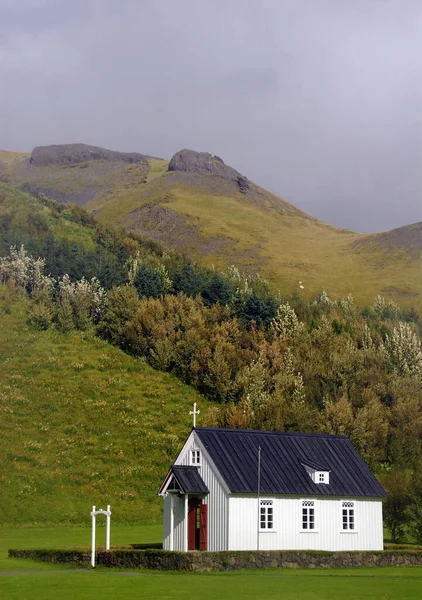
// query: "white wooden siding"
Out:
[179,528]
[218,510]
[287,534]
[166,523]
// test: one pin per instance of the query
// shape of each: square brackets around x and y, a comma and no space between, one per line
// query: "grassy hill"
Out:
[82,424]
[208,216]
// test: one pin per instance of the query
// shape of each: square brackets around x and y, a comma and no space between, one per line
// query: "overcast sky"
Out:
[319,101]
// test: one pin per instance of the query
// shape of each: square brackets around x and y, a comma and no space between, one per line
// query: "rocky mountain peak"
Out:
[68,154]
[204,162]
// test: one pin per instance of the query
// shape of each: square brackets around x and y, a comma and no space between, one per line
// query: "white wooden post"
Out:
[171,521]
[186,524]
[259,501]
[108,515]
[93,537]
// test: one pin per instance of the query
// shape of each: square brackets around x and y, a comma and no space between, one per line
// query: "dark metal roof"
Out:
[313,465]
[283,454]
[189,480]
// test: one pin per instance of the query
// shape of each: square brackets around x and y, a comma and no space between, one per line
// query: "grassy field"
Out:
[157,168]
[27,579]
[363,584]
[83,424]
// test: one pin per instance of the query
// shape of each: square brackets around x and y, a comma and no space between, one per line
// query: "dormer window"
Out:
[318,473]
[195,457]
[321,477]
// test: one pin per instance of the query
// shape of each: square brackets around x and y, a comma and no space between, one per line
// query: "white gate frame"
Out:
[107,513]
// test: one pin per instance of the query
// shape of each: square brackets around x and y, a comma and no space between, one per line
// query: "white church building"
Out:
[232,489]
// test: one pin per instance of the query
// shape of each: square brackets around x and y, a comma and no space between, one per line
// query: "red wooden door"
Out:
[203,528]
[197,525]
[192,523]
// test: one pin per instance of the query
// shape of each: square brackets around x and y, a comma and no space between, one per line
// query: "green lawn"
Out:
[358,584]
[42,581]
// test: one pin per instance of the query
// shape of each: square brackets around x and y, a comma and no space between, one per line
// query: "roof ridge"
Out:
[271,432]
[190,467]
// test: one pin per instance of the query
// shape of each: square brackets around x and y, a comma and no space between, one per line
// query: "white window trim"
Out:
[266,529]
[314,506]
[348,531]
[191,454]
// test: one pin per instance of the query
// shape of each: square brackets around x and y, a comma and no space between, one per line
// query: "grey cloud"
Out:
[318,100]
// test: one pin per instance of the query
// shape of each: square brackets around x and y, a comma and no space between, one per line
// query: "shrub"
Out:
[120,307]
[395,508]
[40,316]
[217,290]
[148,283]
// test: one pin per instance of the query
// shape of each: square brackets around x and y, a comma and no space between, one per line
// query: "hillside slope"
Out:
[204,212]
[198,205]
[82,424]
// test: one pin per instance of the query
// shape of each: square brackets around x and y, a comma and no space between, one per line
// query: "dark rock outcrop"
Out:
[205,163]
[68,154]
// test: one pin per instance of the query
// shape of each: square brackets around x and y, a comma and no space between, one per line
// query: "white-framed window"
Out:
[321,477]
[266,515]
[308,515]
[195,457]
[348,522]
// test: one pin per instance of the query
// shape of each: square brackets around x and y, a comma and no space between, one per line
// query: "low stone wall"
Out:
[225,561]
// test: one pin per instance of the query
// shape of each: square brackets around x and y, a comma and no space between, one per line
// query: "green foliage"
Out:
[40,316]
[254,308]
[396,506]
[188,279]
[405,421]
[74,556]
[64,317]
[216,290]
[67,238]
[415,505]
[370,429]
[292,375]
[148,283]
[10,293]
[120,307]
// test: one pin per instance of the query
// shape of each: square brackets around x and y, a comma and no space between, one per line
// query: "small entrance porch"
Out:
[184,492]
